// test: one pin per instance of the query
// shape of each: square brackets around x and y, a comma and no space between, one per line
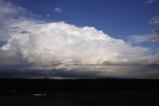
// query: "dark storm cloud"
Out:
[113,71]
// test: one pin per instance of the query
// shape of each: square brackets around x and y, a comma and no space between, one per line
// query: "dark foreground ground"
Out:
[107,92]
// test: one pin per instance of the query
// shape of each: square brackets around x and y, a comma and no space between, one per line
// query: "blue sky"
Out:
[118,18]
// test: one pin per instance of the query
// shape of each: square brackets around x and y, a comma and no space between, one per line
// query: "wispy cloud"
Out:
[155,20]
[149,1]
[155,35]
[152,37]
[58,10]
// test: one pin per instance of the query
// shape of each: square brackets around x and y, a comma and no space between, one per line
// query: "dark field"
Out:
[108,92]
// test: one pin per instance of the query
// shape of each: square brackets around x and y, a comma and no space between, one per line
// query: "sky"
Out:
[117,18]
[120,19]
[58,34]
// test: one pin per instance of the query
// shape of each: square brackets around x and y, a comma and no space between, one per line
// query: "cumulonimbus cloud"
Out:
[46,43]
[43,43]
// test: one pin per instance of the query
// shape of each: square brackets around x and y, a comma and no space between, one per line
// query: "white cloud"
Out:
[48,43]
[45,44]
[58,10]
[10,11]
